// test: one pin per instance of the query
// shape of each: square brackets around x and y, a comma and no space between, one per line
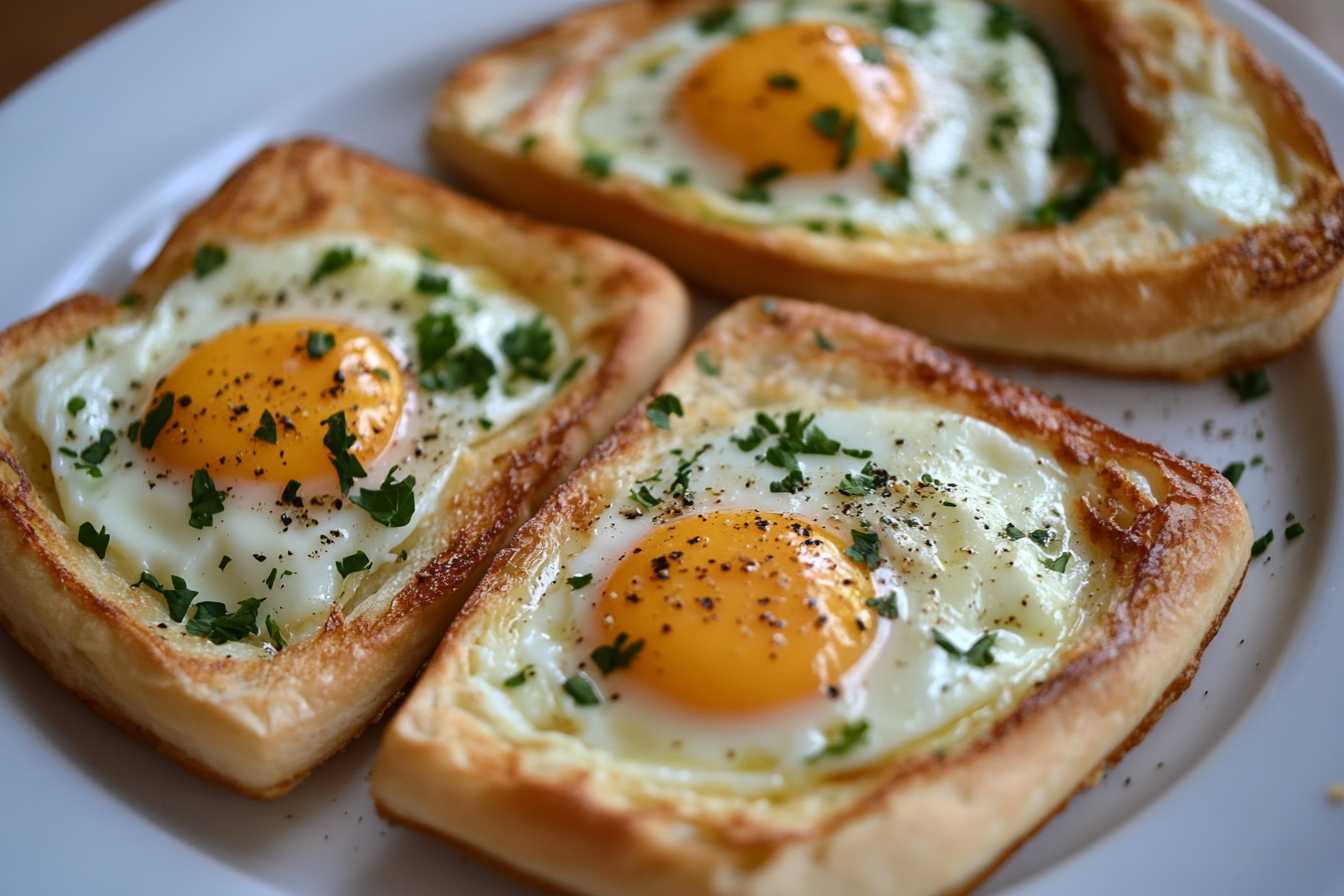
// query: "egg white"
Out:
[962,189]
[945,556]
[144,506]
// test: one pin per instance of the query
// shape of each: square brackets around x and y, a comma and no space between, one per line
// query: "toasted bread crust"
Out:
[261,724]
[927,823]
[1065,295]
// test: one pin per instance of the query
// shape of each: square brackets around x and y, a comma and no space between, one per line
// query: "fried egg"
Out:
[284,418]
[842,117]
[798,592]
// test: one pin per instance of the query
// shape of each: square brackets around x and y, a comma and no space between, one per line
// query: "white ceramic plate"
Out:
[102,154]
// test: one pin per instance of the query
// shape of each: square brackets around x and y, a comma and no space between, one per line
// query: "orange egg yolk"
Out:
[755,98]
[739,611]
[299,371]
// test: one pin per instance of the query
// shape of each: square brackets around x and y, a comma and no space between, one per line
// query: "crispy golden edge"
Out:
[1178,560]
[1189,313]
[232,719]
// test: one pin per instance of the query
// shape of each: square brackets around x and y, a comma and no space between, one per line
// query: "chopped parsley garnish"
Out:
[1103,174]
[211,621]
[1060,563]
[596,165]
[277,637]
[679,177]
[822,342]
[716,19]
[908,15]
[1249,384]
[832,124]
[1261,544]
[751,440]
[895,173]
[1013,533]
[392,503]
[1232,472]
[581,689]
[276,574]
[643,497]
[520,678]
[435,336]
[338,442]
[95,540]
[266,431]
[886,607]
[577,582]
[792,483]
[681,479]
[757,180]
[75,405]
[130,300]
[1002,125]
[95,453]
[319,343]
[291,494]
[783,81]
[873,54]
[431,284]
[485,423]
[528,347]
[178,597]
[356,562]
[1294,530]
[997,79]
[382,373]
[864,549]
[662,408]
[706,363]
[527,143]
[979,654]
[156,420]
[844,740]
[1041,536]
[206,500]
[468,368]
[225,561]
[333,261]
[209,258]
[619,654]
[861,483]
[571,370]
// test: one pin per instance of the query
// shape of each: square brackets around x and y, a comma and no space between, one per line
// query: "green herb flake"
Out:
[1233,471]
[266,432]
[1013,533]
[577,582]
[619,654]
[662,408]
[95,540]
[156,420]
[1041,536]
[886,607]
[392,503]
[783,81]
[895,173]
[705,362]
[917,18]
[581,690]
[528,347]
[792,483]
[468,368]
[822,342]
[643,497]
[75,405]
[713,20]
[224,561]
[873,54]
[356,562]
[338,442]
[521,677]
[333,261]
[208,259]
[865,548]
[277,637]
[130,300]
[1261,544]
[206,501]
[527,143]
[290,495]
[211,621]
[979,654]
[1294,530]
[596,165]
[843,741]
[95,453]
[1249,384]
[679,177]
[178,597]
[1060,563]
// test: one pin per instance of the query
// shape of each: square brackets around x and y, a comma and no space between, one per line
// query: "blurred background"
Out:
[35,34]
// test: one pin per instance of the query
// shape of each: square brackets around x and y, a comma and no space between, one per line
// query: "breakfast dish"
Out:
[239,506]
[830,611]
[1123,185]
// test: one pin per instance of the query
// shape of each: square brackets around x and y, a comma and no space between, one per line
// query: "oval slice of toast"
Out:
[189,537]
[830,611]
[1123,185]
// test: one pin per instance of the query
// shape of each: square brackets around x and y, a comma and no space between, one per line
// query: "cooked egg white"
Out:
[254,353]
[969,118]
[790,633]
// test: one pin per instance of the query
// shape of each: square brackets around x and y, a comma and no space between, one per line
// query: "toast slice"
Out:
[583,761]
[1217,241]
[246,712]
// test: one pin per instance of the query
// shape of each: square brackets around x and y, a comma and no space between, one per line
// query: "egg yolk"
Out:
[739,611]
[763,99]
[300,372]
